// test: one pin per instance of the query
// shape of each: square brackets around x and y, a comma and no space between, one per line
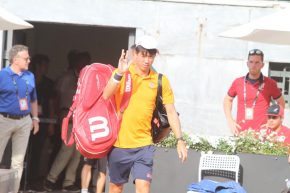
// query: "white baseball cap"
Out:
[147,42]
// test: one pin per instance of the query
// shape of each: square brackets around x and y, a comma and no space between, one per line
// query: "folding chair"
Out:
[219,165]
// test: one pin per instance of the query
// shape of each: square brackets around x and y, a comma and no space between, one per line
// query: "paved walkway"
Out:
[56,191]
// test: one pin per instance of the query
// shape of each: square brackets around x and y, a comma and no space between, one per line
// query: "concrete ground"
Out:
[57,191]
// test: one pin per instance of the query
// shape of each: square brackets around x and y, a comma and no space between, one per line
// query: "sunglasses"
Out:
[256,52]
[272,117]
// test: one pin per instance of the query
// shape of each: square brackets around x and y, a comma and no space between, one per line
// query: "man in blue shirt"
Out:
[18,100]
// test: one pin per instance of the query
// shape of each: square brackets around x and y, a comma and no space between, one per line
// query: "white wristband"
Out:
[35,118]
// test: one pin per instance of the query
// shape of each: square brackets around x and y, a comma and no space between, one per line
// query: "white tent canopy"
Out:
[272,29]
[8,21]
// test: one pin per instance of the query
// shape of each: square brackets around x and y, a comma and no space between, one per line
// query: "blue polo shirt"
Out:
[11,84]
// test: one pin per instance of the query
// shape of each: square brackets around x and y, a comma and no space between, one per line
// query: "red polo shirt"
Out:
[269,89]
[283,134]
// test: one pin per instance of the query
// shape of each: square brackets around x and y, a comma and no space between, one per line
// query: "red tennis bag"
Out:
[95,120]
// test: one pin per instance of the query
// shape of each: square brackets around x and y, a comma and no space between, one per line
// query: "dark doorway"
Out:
[55,40]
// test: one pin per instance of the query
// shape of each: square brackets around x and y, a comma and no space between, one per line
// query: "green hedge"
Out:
[247,142]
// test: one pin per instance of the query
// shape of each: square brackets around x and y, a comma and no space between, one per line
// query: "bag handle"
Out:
[64,126]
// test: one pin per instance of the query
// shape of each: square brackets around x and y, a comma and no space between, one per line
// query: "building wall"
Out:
[200,64]
[1,47]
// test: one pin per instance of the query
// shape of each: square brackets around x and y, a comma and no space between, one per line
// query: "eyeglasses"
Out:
[272,117]
[26,59]
[256,52]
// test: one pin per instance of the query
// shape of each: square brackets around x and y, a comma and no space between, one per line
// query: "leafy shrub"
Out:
[171,142]
[248,142]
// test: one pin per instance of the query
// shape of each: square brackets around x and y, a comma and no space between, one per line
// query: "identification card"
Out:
[249,114]
[23,104]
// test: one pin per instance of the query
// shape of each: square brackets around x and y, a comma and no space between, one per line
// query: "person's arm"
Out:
[114,81]
[281,101]
[228,102]
[289,159]
[276,93]
[35,119]
[110,88]
[176,128]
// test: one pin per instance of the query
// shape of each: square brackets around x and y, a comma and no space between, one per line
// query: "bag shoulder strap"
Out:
[159,88]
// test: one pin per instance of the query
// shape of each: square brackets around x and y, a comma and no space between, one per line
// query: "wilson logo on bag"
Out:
[95,121]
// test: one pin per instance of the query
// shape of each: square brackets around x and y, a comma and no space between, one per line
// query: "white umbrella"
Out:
[273,29]
[8,21]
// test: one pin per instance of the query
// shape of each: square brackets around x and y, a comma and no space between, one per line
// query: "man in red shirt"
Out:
[275,115]
[254,92]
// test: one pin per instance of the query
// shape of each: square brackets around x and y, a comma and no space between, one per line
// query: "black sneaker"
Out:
[49,186]
[71,188]
[38,189]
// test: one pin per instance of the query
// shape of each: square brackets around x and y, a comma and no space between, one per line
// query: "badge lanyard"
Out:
[16,87]
[23,103]
[249,111]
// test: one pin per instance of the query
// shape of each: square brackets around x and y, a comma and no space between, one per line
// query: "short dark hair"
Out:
[133,47]
[37,60]
[150,51]
[72,58]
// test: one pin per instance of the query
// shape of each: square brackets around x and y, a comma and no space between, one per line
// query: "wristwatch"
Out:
[35,118]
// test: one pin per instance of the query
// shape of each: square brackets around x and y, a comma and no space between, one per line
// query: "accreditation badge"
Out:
[23,104]
[249,113]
